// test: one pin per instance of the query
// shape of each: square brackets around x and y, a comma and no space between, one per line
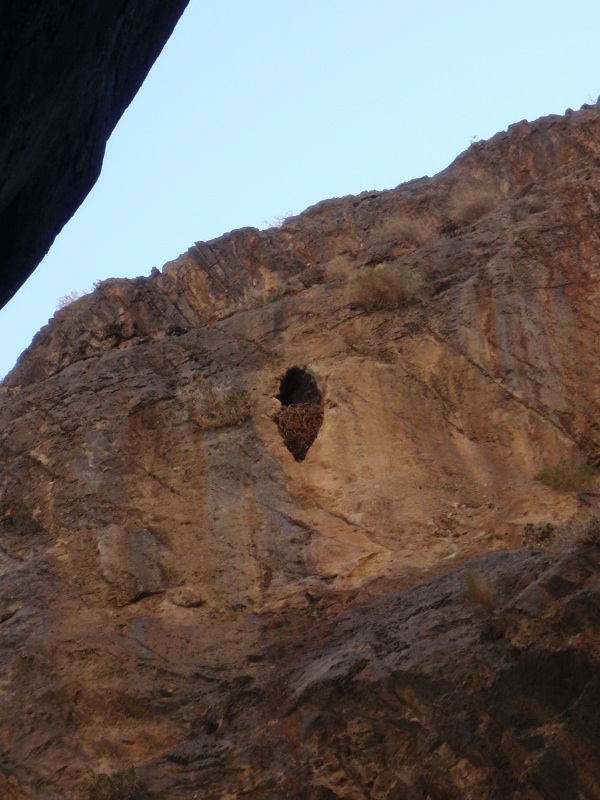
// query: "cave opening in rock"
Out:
[301,416]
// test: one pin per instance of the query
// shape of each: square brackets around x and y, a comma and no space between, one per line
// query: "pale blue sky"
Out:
[258,108]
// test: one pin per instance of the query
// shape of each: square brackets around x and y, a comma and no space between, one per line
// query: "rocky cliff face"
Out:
[238,499]
[68,73]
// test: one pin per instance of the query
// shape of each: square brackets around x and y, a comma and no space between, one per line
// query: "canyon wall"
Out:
[262,537]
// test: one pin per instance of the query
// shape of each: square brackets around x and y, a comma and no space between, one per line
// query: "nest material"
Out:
[298,426]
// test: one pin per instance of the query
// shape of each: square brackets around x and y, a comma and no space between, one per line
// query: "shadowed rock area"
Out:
[68,72]
[183,595]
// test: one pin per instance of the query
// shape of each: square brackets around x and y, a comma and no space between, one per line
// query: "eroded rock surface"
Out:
[182,594]
[68,72]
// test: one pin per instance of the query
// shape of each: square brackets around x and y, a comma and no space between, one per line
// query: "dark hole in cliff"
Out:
[301,415]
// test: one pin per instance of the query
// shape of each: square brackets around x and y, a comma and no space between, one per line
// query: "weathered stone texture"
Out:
[180,594]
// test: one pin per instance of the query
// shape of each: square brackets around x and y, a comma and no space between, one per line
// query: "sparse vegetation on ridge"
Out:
[73,295]
[68,298]
[278,220]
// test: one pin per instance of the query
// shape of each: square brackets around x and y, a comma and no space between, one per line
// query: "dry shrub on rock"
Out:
[415,232]
[386,286]
[213,407]
[469,204]
[66,299]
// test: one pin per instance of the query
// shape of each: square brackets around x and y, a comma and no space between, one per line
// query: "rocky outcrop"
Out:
[236,606]
[69,72]
[421,694]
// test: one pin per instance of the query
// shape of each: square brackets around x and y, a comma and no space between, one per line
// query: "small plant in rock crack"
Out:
[479,590]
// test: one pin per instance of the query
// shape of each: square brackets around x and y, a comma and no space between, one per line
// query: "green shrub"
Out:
[122,785]
[386,286]
[567,476]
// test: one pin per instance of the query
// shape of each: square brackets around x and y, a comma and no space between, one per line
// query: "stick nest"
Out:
[298,426]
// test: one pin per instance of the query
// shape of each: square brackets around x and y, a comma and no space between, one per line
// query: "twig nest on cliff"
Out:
[301,416]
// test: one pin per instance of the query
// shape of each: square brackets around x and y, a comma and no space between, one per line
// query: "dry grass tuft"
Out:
[469,204]
[298,426]
[386,286]
[415,232]
[213,407]
[66,299]
[567,476]
[479,590]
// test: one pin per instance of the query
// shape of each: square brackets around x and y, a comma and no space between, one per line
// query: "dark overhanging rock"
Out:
[68,72]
